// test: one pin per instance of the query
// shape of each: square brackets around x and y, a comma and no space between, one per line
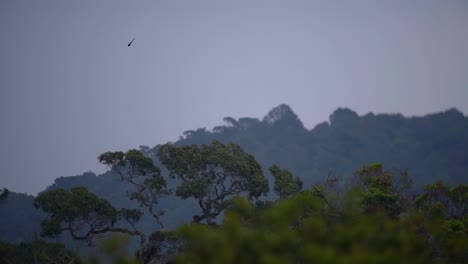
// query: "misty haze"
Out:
[233,131]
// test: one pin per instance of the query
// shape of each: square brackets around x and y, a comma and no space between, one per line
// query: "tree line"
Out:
[375,216]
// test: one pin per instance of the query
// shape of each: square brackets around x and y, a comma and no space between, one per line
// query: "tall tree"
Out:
[81,213]
[213,174]
[441,200]
[285,183]
[85,215]
[384,190]
[149,187]
[139,170]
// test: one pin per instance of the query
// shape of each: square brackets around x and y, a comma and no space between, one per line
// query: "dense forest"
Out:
[375,188]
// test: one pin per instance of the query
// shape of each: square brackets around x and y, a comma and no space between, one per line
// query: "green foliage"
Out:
[363,225]
[298,230]
[455,240]
[285,183]
[383,190]
[441,201]
[84,215]
[79,212]
[36,252]
[113,159]
[212,174]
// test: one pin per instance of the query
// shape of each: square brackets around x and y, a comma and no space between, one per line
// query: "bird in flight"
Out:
[131,42]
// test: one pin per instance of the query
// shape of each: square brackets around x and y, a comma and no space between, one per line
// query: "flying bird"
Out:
[131,42]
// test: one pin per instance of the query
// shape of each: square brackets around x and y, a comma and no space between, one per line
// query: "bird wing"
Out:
[131,42]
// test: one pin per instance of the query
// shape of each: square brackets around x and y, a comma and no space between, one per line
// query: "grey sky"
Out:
[70,88]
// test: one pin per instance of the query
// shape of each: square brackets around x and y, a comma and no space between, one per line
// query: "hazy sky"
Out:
[70,88]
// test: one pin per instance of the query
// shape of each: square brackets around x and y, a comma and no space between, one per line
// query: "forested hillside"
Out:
[432,147]
[427,148]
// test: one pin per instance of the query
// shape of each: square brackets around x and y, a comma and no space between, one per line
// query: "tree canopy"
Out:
[79,212]
[213,174]
[285,183]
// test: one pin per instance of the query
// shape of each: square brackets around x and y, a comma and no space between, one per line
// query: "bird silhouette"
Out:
[131,42]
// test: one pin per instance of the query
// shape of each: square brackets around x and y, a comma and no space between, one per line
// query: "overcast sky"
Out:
[70,88]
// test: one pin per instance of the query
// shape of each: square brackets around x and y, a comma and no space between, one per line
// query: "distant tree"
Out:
[140,171]
[82,214]
[213,174]
[384,190]
[150,186]
[231,121]
[446,208]
[196,135]
[441,200]
[4,193]
[144,148]
[285,183]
